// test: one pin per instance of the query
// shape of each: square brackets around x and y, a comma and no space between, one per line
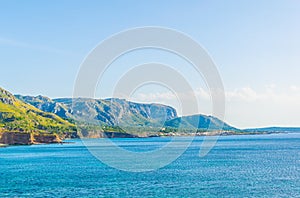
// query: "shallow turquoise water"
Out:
[238,166]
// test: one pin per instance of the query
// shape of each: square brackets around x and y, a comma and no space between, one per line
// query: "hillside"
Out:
[17,116]
[46,104]
[200,122]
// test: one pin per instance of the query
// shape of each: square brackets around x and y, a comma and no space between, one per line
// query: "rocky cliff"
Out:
[19,138]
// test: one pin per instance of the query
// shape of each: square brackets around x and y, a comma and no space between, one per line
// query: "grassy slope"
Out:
[20,116]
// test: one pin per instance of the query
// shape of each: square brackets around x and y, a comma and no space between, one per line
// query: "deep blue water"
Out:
[238,166]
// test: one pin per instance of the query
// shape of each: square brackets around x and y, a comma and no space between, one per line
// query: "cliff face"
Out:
[18,138]
[49,138]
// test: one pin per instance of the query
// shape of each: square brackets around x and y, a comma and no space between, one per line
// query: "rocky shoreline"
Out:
[20,138]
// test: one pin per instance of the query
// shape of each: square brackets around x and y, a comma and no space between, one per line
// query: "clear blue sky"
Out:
[255,44]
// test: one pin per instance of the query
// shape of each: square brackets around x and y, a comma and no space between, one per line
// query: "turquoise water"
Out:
[238,166]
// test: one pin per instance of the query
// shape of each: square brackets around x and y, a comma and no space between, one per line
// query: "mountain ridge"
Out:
[124,114]
[111,111]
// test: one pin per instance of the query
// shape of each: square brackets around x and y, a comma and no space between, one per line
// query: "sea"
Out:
[237,166]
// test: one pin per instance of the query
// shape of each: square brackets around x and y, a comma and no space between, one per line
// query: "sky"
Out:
[255,45]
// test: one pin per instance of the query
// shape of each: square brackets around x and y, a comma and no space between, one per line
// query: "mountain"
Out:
[18,116]
[110,112]
[30,119]
[46,104]
[200,122]
[275,129]
[122,113]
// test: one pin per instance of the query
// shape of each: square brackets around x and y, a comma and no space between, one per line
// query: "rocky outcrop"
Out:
[16,138]
[47,139]
[6,97]
[19,138]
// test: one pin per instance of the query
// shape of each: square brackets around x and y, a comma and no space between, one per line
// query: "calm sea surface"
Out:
[238,166]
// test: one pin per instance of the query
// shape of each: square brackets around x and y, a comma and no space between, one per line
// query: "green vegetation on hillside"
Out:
[16,115]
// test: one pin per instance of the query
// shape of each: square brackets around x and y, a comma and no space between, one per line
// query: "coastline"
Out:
[117,135]
[22,138]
